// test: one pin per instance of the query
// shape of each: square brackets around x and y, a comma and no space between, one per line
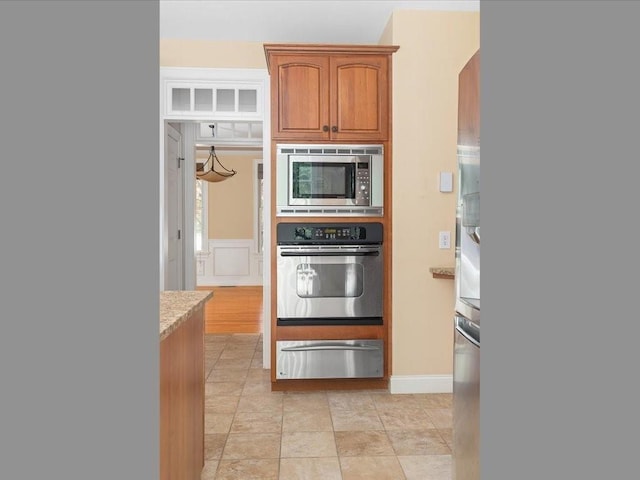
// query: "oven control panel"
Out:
[330,233]
[338,233]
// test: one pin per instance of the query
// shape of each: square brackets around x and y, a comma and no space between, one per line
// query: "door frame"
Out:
[171,130]
[189,74]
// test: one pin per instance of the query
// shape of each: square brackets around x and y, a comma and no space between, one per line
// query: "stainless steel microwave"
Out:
[329,180]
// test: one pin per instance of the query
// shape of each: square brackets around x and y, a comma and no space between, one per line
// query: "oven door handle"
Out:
[328,346]
[342,253]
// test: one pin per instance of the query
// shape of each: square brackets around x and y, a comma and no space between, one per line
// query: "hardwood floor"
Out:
[233,310]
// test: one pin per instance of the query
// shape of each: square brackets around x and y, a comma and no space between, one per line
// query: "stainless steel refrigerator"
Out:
[466,356]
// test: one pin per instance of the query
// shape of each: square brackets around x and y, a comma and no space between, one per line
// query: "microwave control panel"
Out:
[362,183]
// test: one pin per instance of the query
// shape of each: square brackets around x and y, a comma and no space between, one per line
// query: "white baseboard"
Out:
[421,384]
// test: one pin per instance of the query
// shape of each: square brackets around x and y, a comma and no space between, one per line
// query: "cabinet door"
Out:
[469,103]
[359,97]
[300,96]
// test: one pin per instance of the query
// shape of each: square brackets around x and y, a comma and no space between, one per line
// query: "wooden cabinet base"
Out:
[182,401]
[332,384]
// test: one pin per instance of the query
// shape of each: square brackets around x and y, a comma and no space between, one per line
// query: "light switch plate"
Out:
[446,181]
[444,240]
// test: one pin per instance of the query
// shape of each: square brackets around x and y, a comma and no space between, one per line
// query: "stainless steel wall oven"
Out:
[329,274]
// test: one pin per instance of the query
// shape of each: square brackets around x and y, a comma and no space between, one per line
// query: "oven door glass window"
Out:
[323,180]
[329,280]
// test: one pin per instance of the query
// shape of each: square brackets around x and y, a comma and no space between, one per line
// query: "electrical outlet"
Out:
[445,240]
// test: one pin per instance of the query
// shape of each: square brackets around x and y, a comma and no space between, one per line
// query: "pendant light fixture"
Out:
[213,175]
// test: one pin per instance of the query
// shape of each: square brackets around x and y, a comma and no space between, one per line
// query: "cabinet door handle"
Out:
[325,128]
[334,129]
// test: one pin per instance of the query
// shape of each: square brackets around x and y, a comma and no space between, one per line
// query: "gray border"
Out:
[79,254]
[560,103]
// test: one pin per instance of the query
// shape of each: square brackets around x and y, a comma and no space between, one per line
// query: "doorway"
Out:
[229,232]
[229,216]
[175,83]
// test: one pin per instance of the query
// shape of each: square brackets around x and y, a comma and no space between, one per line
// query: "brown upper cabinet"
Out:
[469,103]
[330,92]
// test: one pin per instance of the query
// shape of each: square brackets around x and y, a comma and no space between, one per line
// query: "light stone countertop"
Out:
[178,305]
[443,271]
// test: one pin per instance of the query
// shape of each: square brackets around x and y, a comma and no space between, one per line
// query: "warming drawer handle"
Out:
[375,253]
[305,348]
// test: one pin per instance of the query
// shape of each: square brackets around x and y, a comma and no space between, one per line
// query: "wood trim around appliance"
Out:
[330,332]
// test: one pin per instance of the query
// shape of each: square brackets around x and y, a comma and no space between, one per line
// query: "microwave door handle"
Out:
[353,180]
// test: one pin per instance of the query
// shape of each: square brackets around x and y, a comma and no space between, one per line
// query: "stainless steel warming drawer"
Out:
[329,359]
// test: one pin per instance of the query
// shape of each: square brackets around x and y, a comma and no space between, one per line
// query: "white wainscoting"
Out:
[421,384]
[229,262]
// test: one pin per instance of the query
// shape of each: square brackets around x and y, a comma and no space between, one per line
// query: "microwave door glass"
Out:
[323,180]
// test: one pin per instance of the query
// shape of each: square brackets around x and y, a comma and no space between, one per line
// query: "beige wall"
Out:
[231,202]
[434,47]
[209,54]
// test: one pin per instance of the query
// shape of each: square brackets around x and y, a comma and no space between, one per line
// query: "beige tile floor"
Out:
[254,433]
